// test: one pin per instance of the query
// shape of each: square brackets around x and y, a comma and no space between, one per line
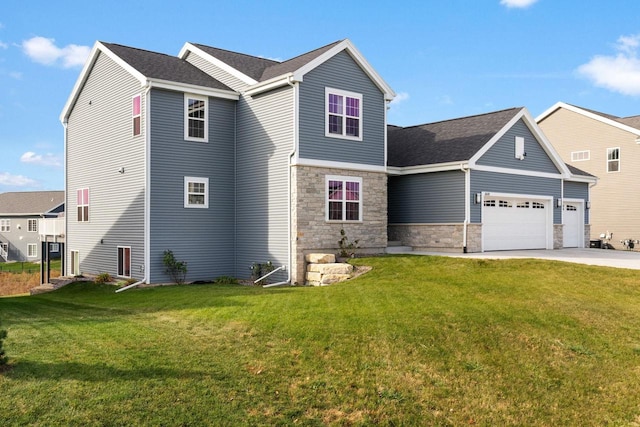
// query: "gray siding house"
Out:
[19,215]
[481,183]
[224,158]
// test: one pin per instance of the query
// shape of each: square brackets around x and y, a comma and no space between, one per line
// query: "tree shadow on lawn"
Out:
[55,371]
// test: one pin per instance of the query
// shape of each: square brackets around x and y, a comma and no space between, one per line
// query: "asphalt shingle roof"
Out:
[30,202]
[164,67]
[575,171]
[632,121]
[446,141]
[261,69]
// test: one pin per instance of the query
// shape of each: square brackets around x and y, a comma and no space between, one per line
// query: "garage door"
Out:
[572,231]
[515,223]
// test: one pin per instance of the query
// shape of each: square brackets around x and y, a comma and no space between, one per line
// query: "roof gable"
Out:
[629,124]
[30,202]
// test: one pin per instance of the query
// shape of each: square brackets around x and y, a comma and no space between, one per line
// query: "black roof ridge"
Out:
[458,118]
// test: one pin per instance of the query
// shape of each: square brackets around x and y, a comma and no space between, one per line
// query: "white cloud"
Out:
[400,97]
[15,180]
[619,72]
[521,4]
[44,51]
[42,160]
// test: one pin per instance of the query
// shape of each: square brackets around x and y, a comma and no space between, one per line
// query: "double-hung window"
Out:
[196,118]
[135,114]
[83,204]
[196,192]
[343,114]
[613,159]
[5,225]
[32,250]
[344,198]
[32,225]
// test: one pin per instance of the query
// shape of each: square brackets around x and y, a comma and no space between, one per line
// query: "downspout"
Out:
[65,124]
[147,193]
[467,204]
[292,153]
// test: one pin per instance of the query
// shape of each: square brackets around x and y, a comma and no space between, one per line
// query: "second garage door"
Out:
[510,223]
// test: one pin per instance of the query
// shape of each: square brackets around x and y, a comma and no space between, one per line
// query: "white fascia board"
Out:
[517,195]
[538,135]
[198,90]
[270,84]
[518,172]
[86,70]
[346,44]
[438,167]
[337,165]
[588,114]
[582,178]
[188,47]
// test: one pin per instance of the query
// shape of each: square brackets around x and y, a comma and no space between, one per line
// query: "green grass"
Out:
[26,267]
[416,341]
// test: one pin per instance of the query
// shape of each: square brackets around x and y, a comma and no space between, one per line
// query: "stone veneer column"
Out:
[310,230]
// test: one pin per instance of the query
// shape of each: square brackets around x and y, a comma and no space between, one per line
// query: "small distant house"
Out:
[606,146]
[226,159]
[484,183]
[20,213]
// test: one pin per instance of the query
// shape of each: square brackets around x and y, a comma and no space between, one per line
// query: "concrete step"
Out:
[398,249]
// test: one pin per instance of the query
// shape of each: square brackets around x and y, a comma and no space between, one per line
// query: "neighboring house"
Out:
[608,147]
[483,183]
[19,215]
[223,158]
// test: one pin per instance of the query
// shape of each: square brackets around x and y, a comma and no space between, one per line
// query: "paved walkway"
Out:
[602,257]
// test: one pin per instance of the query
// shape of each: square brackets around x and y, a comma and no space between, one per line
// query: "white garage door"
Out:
[572,230]
[515,223]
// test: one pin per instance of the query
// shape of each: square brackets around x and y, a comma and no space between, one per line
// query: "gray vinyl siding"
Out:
[502,153]
[577,190]
[482,181]
[264,141]
[18,239]
[99,142]
[341,72]
[427,198]
[204,238]
[216,72]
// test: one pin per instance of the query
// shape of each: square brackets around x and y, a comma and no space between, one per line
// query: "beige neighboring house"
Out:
[608,147]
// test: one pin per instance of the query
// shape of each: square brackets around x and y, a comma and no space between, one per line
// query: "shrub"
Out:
[347,247]
[225,280]
[177,270]
[260,269]
[103,278]
[3,357]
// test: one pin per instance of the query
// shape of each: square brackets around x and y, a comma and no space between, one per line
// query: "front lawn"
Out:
[416,341]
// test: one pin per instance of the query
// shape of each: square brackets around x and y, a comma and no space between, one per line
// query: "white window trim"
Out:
[326,198]
[585,153]
[118,259]
[29,228]
[88,205]
[5,225]
[188,96]
[205,181]
[32,253]
[343,135]
[617,160]
[54,247]
[133,116]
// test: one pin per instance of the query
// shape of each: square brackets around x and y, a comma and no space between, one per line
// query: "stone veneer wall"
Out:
[558,239]
[441,237]
[310,230]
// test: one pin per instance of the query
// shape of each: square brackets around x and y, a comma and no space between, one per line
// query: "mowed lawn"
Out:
[416,341]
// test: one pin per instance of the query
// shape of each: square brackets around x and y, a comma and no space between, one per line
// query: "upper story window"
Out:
[32,225]
[135,114]
[579,156]
[5,225]
[83,204]
[344,198]
[343,114]
[196,192]
[613,159]
[196,118]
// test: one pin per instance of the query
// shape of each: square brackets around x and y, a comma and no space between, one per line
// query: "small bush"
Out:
[258,270]
[3,358]
[177,270]
[226,280]
[103,278]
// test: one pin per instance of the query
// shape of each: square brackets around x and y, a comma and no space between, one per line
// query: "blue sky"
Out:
[444,58]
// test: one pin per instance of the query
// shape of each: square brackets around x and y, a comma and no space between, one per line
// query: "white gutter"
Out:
[133,285]
[294,150]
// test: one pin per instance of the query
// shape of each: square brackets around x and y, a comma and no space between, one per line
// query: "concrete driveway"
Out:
[602,257]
